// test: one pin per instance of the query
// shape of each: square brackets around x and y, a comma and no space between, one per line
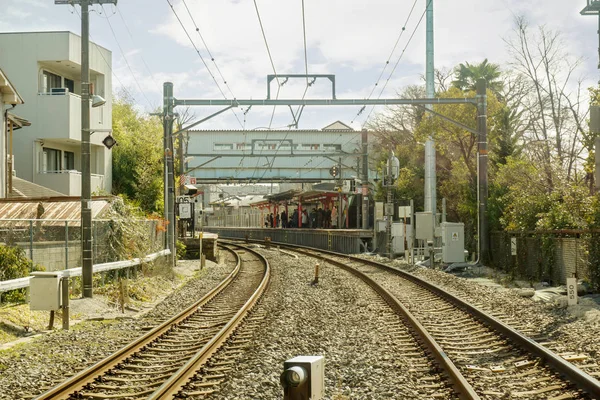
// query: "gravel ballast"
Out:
[30,368]
[340,318]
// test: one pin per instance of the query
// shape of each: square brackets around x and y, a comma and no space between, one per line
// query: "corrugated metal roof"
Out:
[50,210]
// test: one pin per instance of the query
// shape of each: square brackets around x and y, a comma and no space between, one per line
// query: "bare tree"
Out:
[552,107]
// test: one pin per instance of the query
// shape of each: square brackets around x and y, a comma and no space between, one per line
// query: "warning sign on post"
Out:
[185,210]
[455,236]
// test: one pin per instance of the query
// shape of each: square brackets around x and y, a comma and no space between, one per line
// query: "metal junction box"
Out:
[315,384]
[44,291]
[453,242]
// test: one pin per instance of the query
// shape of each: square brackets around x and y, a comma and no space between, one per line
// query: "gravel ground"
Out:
[340,319]
[27,369]
[574,329]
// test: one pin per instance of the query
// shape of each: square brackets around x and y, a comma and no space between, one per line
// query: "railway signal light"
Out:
[303,377]
[334,171]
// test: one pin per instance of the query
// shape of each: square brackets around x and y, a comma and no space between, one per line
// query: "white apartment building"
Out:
[9,97]
[46,67]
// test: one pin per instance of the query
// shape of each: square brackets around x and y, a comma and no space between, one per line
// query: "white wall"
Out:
[23,56]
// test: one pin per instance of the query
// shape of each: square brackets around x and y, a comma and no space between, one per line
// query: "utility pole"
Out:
[168,168]
[365,180]
[340,183]
[482,161]
[86,178]
[430,173]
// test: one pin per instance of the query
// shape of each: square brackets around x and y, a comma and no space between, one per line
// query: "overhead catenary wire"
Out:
[303,95]
[397,62]
[262,29]
[106,62]
[202,58]
[141,55]
[127,61]
[388,59]
[210,54]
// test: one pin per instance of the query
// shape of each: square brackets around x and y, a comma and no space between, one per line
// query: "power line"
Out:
[262,29]
[397,62]
[127,62]
[133,41]
[212,58]
[202,59]
[106,62]
[303,95]
[388,60]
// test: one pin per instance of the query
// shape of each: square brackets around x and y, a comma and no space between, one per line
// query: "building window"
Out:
[332,147]
[69,84]
[69,160]
[223,146]
[51,81]
[51,160]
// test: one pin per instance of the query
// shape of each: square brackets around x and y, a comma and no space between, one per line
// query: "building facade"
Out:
[281,156]
[9,98]
[46,67]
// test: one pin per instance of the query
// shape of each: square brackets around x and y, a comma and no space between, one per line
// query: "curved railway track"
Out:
[159,363]
[489,359]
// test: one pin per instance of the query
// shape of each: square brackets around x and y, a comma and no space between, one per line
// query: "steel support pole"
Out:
[389,209]
[365,180]
[430,173]
[482,179]
[86,192]
[168,168]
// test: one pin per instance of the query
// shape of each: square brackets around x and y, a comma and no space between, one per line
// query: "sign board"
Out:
[404,212]
[184,199]
[455,236]
[513,246]
[572,291]
[185,211]
[389,208]
[378,210]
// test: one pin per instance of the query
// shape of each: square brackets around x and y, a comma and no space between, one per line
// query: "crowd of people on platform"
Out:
[317,218]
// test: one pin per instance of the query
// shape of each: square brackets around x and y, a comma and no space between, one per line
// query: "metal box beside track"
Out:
[44,291]
[453,242]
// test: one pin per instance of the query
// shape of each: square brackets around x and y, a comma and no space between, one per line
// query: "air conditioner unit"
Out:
[59,90]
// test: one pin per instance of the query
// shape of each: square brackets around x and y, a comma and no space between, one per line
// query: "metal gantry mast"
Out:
[170,102]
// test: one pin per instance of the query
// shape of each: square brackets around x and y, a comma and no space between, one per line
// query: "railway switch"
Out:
[303,378]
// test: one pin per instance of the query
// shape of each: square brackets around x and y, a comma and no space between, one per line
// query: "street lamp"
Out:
[391,174]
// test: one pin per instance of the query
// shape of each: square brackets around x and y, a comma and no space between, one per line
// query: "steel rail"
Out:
[78,381]
[575,375]
[177,381]
[461,386]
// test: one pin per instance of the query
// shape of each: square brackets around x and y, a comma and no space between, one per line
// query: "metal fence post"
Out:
[66,244]
[31,241]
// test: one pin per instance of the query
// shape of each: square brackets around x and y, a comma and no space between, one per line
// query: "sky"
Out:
[349,38]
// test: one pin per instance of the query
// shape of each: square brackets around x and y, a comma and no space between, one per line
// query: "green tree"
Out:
[137,159]
[466,76]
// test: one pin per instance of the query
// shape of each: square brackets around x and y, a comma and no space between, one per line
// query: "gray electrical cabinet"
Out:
[453,242]
[44,291]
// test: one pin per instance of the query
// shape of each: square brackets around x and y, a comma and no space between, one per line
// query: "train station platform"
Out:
[347,241]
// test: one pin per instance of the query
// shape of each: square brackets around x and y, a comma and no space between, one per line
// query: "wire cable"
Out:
[127,62]
[388,60]
[262,29]
[133,41]
[105,61]
[295,116]
[212,58]
[397,62]
[202,59]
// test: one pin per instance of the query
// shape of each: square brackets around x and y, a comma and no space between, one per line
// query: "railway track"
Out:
[161,362]
[492,358]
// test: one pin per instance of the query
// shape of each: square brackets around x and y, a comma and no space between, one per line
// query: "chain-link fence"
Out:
[56,244]
[550,256]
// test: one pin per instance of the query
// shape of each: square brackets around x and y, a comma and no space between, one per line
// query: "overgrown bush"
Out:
[14,264]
